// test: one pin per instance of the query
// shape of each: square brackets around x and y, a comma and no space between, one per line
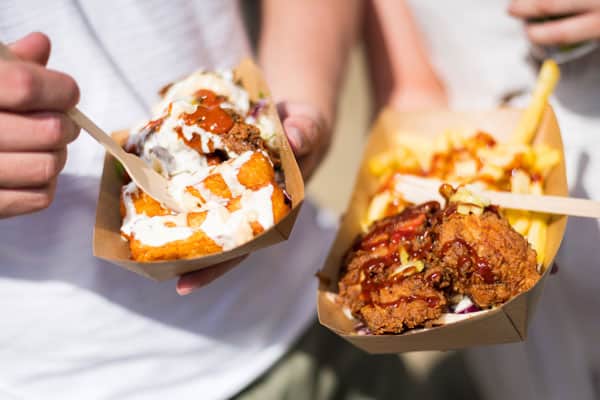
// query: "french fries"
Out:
[458,158]
[536,235]
[547,79]
[400,158]
[474,158]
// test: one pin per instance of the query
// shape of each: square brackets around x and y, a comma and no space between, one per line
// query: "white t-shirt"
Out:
[480,53]
[74,327]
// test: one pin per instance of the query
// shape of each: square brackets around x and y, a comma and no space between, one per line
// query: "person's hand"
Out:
[34,131]
[191,281]
[308,132]
[580,20]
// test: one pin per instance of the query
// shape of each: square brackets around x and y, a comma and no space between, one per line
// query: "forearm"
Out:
[398,61]
[303,49]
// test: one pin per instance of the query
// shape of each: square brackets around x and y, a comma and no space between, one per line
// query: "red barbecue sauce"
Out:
[470,259]
[390,235]
[209,116]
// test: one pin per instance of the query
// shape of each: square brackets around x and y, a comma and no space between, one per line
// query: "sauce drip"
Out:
[411,230]
[209,115]
[431,301]
[470,260]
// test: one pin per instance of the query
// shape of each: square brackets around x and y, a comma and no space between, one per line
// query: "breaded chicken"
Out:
[387,294]
[404,270]
[487,259]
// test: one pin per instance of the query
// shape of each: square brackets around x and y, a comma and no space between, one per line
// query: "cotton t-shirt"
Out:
[481,54]
[75,327]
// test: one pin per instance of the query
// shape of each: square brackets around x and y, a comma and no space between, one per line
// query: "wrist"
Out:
[418,98]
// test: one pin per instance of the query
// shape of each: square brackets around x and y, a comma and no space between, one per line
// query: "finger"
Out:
[526,9]
[303,133]
[194,280]
[36,132]
[303,126]
[565,31]
[30,87]
[308,165]
[25,170]
[15,202]
[34,47]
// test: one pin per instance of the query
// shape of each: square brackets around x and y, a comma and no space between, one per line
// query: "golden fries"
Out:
[477,159]
[536,235]
[377,208]
[401,158]
[527,126]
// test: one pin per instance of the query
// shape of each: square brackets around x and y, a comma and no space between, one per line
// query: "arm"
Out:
[303,49]
[400,70]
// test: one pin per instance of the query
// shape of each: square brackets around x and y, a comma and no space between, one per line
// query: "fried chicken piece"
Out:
[480,256]
[487,259]
[256,172]
[405,304]
[198,244]
[378,288]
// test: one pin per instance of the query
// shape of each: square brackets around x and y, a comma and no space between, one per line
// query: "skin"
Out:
[34,131]
[582,23]
[399,67]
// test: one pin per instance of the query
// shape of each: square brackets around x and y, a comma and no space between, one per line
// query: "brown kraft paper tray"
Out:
[110,246]
[504,324]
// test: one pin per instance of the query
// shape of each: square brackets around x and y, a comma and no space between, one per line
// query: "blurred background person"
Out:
[478,55]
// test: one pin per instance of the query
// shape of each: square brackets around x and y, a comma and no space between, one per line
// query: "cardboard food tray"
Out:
[109,245]
[504,324]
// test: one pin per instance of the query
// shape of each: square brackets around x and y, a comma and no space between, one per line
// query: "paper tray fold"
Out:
[504,324]
[108,244]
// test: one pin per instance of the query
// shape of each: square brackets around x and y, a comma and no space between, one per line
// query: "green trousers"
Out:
[322,366]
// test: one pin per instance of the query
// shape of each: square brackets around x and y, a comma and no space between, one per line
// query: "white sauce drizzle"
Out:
[185,167]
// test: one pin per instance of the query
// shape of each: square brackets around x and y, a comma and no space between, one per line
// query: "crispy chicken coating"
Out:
[404,271]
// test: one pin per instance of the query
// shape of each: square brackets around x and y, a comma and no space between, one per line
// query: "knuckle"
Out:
[72,90]
[24,86]
[43,38]
[54,128]
[43,199]
[545,7]
[50,166]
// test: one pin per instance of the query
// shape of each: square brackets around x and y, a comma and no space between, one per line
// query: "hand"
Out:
[580,20]
[34,131]
[189,282]
[308,132]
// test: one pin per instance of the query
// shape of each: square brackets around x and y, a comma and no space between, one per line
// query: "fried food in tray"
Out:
[219,152]
[410,268]
[415,264]
[473,159]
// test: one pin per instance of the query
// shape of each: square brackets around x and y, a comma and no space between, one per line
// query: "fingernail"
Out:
[183,291]
[297,140]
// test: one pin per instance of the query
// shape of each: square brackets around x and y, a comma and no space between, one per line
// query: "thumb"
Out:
[34,47]
[301,133]
[303,126]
